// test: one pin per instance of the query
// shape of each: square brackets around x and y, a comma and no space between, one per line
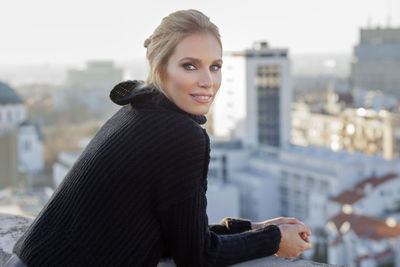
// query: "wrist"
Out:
[254,225]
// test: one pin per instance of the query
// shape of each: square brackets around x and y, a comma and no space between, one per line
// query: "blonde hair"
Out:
[173,28]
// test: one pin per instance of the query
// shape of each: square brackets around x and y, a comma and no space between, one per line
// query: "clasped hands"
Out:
[295,235]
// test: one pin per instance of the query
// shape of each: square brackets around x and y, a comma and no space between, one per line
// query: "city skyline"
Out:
[67,32]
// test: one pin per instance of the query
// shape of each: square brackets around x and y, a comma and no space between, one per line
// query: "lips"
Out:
[208,95]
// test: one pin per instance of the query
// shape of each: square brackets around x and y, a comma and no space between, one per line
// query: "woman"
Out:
[138,190]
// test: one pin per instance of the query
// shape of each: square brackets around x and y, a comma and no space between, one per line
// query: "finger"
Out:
[303,228]
[304,236]
[307,245]
[290,220]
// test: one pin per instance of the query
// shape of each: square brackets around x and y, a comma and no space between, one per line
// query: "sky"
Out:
[70,31]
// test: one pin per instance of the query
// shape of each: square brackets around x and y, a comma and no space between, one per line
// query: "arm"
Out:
[185,227]
[182,210]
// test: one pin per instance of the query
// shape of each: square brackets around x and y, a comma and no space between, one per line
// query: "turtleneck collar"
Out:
[140,95]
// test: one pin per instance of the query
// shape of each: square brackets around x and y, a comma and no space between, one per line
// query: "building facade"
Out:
[366,130]
[229,107]
[89,87]
[269,96]
[21,140]
[376,63]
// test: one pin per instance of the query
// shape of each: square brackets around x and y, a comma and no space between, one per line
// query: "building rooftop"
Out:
[8,95]
[365,227]
[359,192]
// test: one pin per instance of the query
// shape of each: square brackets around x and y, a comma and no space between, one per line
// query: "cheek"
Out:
[185,81]
[217,80]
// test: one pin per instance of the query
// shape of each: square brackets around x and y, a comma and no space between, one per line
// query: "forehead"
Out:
[202,46]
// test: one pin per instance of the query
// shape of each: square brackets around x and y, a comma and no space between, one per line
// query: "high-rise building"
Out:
[269,96]
[90,87]
[376,64]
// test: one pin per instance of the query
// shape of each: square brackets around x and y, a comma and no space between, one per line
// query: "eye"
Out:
[188,66]
[215,67]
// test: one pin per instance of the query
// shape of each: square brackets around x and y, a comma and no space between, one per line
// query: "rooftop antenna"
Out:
[388,18]
[369,22]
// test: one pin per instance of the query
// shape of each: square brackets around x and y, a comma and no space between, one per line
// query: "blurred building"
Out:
[223,200]
[359,240]
[21,146]
[229,166]
[97,75]
[24,201]
[66,159]
[375,99]
[374,196]
[229,106]
[8,157]
[367,130]
[269,95]
[89,87]
[376,63]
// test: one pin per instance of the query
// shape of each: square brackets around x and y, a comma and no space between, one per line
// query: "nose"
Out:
[206,80]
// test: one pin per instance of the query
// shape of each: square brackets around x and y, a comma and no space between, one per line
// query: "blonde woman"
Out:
[137,193]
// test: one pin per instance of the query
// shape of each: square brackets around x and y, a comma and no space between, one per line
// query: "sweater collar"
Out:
[140,95]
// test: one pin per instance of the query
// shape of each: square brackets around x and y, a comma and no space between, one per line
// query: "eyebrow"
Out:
[198,60]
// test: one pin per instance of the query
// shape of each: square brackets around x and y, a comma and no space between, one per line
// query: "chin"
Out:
[199,111]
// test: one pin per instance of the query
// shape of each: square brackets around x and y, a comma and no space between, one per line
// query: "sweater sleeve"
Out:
[191,243]
[230,226]
[182,212]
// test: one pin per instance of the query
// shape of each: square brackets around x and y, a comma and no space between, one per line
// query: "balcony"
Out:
[12,227]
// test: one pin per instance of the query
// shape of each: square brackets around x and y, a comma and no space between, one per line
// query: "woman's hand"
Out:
[294,240]
[277,221]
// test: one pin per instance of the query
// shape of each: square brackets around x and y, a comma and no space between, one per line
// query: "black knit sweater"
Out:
[138,193]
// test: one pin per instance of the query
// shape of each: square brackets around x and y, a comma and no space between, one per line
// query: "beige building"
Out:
[364,130]
[8,157]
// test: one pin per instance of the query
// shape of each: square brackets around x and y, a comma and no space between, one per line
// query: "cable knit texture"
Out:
[138,193]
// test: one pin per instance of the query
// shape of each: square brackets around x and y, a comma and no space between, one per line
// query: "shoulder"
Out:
[175,127]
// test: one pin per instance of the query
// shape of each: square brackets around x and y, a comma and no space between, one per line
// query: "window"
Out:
[310,181]
[27,145]
[213,172]
[9,116]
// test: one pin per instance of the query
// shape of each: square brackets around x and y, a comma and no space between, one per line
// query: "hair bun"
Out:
[147,42]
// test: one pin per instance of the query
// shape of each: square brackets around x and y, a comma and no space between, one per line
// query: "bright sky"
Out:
[71,31]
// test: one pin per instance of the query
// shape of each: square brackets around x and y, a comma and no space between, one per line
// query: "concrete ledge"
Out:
[12,227]
[268,261]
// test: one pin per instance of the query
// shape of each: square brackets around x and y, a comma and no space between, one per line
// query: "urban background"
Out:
[306,123]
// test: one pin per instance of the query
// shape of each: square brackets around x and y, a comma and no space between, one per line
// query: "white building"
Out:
[304,179]
[65,162]
[12,107]
[30,146]
[66,159]
[223,200]
[13,114]
[229,107]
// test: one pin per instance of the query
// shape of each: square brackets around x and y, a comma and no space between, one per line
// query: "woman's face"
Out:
[193,73]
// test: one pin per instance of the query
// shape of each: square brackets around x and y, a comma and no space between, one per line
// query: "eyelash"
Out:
[187,65]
